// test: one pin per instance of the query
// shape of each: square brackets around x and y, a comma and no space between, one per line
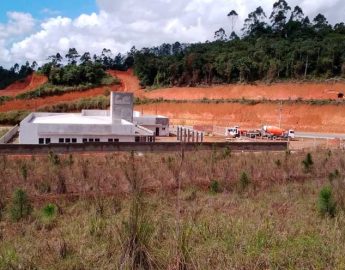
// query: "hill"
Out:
[31,82]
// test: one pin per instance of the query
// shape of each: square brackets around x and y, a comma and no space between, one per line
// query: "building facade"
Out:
[119,124]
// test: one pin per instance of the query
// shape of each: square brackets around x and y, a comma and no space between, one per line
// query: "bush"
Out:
[48,215]
[326,202]
[21,207]
[244,181]
[12,117]
[214,187]
[308,163]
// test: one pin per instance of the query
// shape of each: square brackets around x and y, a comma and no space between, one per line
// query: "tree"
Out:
[279,15]
[297,15]
[106,57]
[85,58]
[220,35]
[56,59]
[72,56]
[255,24]
[233,19]
[34,65]
[321,23]
[177,48]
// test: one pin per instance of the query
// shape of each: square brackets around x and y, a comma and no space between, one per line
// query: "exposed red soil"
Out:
[279,91]
[327,118]
[33,104]
[30,83]
[129,82]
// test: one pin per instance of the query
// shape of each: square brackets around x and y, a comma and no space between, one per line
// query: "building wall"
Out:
[80,139]
[152,123]
[163,130]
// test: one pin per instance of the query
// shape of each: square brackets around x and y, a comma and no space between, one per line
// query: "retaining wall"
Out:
[9,135]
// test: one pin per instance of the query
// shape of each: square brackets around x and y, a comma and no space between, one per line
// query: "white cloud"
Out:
[123,23]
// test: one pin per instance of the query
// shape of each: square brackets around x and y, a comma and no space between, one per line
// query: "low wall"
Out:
[22,149]
[9,135]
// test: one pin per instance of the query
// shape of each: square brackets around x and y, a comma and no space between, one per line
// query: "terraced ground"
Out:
[315,117]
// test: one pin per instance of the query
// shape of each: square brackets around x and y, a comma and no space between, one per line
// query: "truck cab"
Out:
[291,134]
[232,132]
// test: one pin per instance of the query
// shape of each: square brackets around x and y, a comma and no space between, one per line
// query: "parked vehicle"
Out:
[270,132]
[276,132]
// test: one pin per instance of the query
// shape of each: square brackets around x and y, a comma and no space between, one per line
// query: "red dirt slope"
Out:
[278,91]
[30,83]
[327,118]
[33,104]
[129,82]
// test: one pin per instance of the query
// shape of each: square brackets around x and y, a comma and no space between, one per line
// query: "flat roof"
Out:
[75,119]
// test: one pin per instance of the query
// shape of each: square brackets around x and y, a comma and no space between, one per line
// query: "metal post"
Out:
[178,133]
[197,136]
[202,137]
[193,136]
[188,132]
[184,134]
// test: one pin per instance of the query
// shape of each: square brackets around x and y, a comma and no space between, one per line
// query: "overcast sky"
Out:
[39,29]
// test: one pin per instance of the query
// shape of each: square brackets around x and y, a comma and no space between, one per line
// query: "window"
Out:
[137,139]
[97,140]
[163,128]
[68,140]
[110,140]
[90,140]
[74,140]
[61,140]
[84,140]
[48,140]
[116,140]
[41,141]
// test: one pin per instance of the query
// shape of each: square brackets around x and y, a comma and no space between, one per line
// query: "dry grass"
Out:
[272,224]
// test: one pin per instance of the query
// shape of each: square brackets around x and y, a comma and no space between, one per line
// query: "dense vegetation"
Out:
[290,46]
[15,73]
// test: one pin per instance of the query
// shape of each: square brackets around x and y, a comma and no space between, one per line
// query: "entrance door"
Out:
[157,131]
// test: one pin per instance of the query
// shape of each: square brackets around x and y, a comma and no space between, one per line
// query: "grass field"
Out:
[202,210]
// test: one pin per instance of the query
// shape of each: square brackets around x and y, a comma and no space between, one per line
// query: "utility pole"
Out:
[280,113]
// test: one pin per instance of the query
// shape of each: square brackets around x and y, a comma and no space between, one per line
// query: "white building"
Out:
[157,123]
[114,125]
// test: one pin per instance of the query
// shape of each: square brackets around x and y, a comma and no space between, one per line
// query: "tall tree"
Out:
[255,23]
[72,56]
[85,58]
[220,35]
[233,19]
[321,23]
[279,16]
[297,14]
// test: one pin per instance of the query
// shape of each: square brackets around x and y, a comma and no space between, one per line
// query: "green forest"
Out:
[284,44]
[15,73]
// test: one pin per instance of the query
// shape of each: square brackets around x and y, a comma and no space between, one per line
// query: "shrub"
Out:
[48,215]
[214,187]
[54,158]
[23,170]
[244,181]
[308,163]
[326,202]
[21,207]
[12,117]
